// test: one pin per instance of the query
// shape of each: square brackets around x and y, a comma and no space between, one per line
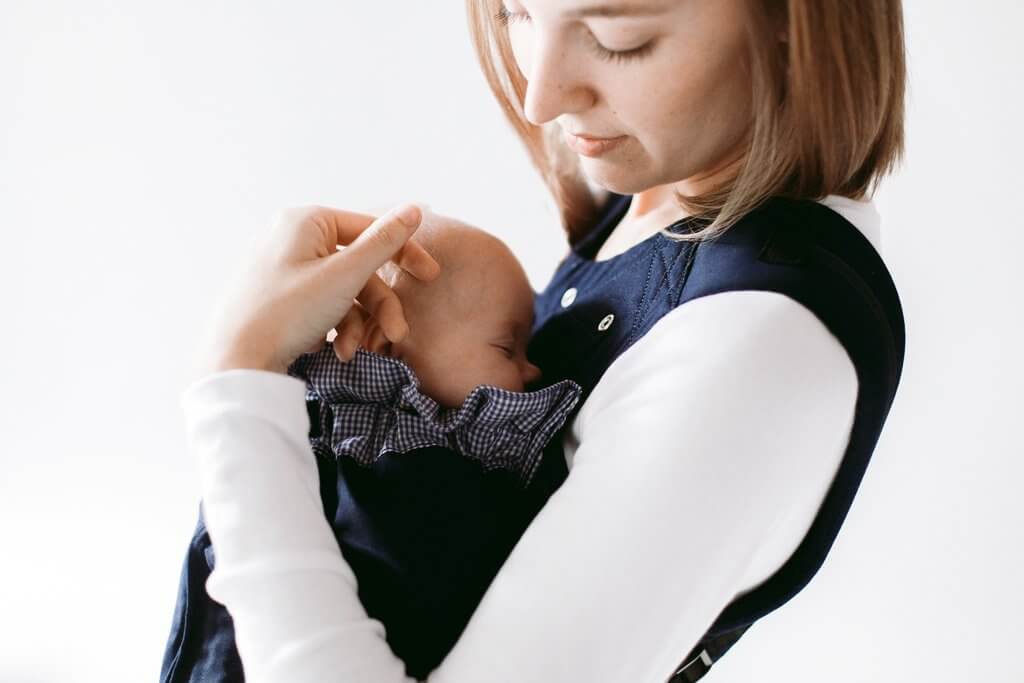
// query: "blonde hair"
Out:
[828,107]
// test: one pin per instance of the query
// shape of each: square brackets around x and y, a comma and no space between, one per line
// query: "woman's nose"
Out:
[554,86]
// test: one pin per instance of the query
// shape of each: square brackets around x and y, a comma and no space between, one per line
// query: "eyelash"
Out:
[508,352]
[504,17]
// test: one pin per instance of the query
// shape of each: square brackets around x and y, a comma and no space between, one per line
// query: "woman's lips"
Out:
[591,147]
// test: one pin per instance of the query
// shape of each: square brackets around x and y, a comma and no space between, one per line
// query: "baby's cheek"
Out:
[509,377]
[485,368]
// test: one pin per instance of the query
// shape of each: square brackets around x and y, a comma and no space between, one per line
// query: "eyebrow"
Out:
[609,10]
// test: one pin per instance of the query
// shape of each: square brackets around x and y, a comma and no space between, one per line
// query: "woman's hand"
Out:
[301,286]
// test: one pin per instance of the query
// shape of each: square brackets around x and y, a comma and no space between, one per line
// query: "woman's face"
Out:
[682,99]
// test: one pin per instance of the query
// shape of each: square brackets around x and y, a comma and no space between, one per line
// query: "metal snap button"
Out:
[606,322]
[568,297]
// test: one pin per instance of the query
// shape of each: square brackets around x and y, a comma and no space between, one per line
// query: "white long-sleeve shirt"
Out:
[696,466]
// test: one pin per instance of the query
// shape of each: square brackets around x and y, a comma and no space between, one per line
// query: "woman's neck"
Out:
[659,202]
[655,199]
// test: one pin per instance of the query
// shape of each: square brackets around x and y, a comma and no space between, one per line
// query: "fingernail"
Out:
[410,215]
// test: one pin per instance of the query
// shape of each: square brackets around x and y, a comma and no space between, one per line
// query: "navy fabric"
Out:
[201,645]
[426,502]
[592,311]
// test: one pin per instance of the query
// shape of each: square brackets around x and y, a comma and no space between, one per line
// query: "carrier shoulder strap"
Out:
[809,252]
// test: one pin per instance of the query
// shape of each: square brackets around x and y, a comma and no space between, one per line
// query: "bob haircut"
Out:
[827,110]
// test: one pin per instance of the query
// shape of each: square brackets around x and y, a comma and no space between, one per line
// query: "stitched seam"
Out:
[643,298]
[665,267]
[691,253]
[664,278]
[669,269]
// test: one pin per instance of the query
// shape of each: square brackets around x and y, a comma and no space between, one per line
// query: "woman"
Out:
[738,364]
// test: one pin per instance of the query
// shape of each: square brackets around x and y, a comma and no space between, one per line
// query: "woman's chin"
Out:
[613,184]
[620,177]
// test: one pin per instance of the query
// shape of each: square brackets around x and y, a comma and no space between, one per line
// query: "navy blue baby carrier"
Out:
[425,529]
[590,313]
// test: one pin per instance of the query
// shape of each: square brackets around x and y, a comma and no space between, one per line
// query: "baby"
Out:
[428,451]
[470,325]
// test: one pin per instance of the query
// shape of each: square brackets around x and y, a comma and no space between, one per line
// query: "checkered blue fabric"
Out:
[372,405]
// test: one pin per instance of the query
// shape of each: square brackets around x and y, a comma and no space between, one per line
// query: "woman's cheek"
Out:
[520,42]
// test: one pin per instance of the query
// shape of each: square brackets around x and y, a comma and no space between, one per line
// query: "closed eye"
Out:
[508,351]
[505,17]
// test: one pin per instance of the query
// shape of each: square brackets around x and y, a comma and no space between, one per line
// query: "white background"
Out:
[144,147]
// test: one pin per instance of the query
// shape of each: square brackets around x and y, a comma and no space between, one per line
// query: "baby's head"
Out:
[468,326]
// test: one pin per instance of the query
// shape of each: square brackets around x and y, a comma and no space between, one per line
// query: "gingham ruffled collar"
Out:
[372,405]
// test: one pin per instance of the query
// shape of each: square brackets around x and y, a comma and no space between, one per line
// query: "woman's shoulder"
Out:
[856,221]
[863,214]
[727,350]
[820,253]
[767,296]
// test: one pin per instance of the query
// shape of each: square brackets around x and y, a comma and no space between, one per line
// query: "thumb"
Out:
[377,244]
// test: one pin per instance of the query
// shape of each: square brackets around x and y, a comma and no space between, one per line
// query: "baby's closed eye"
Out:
[506,349]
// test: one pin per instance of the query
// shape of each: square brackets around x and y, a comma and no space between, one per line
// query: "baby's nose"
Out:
[532,373]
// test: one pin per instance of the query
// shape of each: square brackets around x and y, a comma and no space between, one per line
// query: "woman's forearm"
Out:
[279,571]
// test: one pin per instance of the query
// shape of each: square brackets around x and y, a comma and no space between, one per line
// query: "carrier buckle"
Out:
[693,670]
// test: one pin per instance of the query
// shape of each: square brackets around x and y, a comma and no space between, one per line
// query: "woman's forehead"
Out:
[582,9]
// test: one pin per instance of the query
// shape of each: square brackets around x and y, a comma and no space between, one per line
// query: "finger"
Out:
[370,333]
[375,241]
[353,320]
[413,257]
[417,261]
[350,333]
[384,306]
[377,342]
